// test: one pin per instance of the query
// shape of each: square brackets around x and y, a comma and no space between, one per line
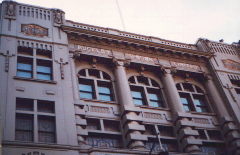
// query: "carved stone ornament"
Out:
[10,11]
[34,30]
[58,16]
[33,153]
[231,64]
[185,66]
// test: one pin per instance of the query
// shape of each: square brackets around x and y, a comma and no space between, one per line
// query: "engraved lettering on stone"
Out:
[152,115]
[34,30]
[231,64]
[99,109]
[201,121]
[185,66]
[93,51]
[141,58]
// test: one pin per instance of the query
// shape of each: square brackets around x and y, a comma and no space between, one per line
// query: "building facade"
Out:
[74,89]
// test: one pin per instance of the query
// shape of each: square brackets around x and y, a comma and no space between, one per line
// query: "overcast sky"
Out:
[177,20]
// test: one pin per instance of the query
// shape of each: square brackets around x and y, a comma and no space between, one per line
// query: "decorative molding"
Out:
[152,115]
[34,30]
[92,51]
[58,17]
[33,153]
[10,11]
[99,109]
[185,66]
[231,64]
[61,63]
[141,59]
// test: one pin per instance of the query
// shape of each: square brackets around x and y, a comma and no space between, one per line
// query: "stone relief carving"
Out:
[10,9]
[93,51]
[34,30]
[185,66]
[58,16]
[33,153]
[231,64]
[99,109]
[152,115]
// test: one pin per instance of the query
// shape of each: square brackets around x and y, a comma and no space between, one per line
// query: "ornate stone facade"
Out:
[74,89]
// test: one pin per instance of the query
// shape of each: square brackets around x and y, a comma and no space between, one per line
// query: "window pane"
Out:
[184,100]
[85,87]
[44,69]
[44,76]
[24,104]
[201,109]
[45,106]
[186,108]
[154,104]
[105,97]
[24,74]
[86,95]
[22,66]
[24,127]
[104,90]
[198,102]
[136,94]
[188,87]
[153,96]
[142,80]
[46,129]
[138,102]
[94,73]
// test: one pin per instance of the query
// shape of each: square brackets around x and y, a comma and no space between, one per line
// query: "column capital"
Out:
[120,62]
[168,70]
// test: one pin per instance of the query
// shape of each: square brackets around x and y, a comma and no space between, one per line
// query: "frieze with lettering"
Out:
[142,59]
[185,66]
[93,51]
[231,64]
[34,30]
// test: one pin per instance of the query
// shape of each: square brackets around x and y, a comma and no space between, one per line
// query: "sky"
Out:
[177,20]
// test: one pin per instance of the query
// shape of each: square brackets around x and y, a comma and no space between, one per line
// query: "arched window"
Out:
[192,97]
[145,91]
[95,84]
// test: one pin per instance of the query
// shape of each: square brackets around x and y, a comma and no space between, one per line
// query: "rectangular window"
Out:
[155,100]
[24,127]
[46,129]
[44,116]
[44,70]
[200,103]
[24,67]
[185,100]
[104,91]
[86,89]
[137,95]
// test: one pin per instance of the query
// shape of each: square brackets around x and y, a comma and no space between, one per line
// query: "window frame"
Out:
[35,113]
[192,96]
[32,55]
[147,84]
[96,81]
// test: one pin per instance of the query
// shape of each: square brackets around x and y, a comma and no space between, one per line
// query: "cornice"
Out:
[133,39]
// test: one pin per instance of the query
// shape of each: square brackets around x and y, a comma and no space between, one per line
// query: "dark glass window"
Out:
[200,103]
[44,70]
[24,127]
[185,100]
[24,67]
[46,129]
[24,104]
[45,106]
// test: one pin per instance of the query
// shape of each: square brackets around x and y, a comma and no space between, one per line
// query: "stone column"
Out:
[130,114]
[185,133]
[81,122]
[229,129]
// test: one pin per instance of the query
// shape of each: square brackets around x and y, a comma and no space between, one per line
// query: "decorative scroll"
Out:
[185,66]
[152,115]
[141,59]
[34,30]
[93,51]
[201,121]
[231,64]
[99,109]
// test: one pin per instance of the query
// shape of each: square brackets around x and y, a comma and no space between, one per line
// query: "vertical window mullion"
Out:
[145,94]
[34,64]
[35,122]
[95,89]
